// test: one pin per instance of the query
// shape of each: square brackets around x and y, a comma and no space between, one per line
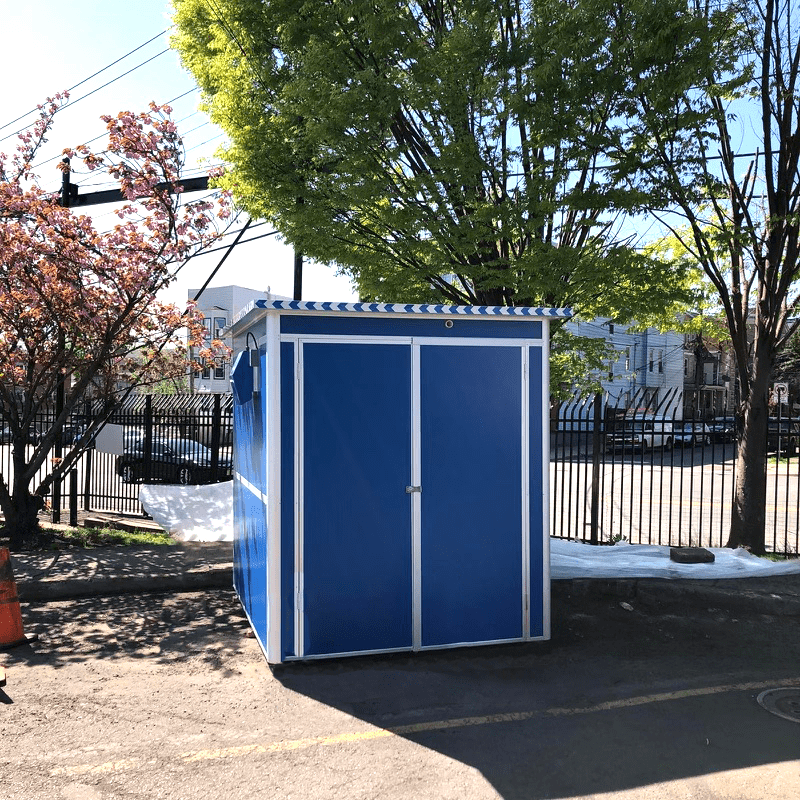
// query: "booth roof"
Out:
[408,308]
[245,316]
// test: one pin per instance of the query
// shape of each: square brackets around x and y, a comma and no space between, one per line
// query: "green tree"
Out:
[439,151]
[735,213]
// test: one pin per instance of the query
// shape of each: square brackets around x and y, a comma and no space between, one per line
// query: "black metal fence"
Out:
[641,473]
[160,434]
[637,472]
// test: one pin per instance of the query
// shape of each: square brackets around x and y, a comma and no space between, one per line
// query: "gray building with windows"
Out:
[219,305]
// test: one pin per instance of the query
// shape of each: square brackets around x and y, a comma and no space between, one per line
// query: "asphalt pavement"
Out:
[146,684]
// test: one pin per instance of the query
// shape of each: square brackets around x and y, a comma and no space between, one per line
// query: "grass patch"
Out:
[782,461]
[777,557]
[103,537]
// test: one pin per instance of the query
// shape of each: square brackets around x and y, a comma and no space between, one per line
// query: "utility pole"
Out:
[298,275]
[68,191]
[298,267]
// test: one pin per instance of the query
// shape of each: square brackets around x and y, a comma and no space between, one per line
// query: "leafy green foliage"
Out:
[578,364]
[445,152]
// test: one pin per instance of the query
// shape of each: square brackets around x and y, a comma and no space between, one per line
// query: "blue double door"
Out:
[411,533]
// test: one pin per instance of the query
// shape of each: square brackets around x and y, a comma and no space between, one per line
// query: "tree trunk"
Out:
[748,515]
[21,508]
[22,519]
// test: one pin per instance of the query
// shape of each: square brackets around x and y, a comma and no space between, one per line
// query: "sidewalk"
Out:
[192,566]
[78,572]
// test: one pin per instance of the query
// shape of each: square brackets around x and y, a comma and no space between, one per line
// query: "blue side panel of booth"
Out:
[357,514]
[536,502]
[250,581]
[287,423]
[250,530]
[471,398]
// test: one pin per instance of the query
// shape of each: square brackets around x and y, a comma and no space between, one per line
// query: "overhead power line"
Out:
[90,141]
[238,244]
[71,103]
[86,80]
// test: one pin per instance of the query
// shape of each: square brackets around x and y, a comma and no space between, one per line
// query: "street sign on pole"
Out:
[780,391]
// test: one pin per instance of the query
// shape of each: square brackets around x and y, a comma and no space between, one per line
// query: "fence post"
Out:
[73,497]
[148,438]
[597,440]
[87,460]
[87,478]
[216,424]
[55,505]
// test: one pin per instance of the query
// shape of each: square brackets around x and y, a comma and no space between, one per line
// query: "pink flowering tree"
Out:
[79,314]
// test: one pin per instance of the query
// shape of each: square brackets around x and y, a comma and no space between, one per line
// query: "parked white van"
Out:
[642,432]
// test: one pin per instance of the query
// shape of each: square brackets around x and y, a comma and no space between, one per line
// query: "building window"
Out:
[627,358]
[207,326]
[219,325]
[611,327]
[219,369]
[661,361]
[710,373]
[685,366]
[206,371]
[651,360]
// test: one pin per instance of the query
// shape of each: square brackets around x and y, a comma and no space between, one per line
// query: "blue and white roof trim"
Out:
[408,308]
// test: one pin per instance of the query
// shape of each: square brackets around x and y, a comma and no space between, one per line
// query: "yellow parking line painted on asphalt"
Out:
[123,765]
[284,746]
[421,727]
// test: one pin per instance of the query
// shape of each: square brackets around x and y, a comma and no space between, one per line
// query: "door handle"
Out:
[412,489]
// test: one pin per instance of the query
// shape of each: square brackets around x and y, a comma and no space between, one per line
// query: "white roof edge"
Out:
[244,312]
[408,308]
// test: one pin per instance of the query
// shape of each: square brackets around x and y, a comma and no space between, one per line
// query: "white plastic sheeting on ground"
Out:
[192,513]
[205,514]
[570,559]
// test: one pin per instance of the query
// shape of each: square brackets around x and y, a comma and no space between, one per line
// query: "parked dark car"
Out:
[72,432]
[173,460]
[783,436]
[723,429]
[34,436]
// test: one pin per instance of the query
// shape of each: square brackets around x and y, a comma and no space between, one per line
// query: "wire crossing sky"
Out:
[113,56]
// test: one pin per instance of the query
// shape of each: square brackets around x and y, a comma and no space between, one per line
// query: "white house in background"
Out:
[647,368]
[219,305]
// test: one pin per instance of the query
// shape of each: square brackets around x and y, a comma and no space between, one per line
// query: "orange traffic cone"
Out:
[11,632]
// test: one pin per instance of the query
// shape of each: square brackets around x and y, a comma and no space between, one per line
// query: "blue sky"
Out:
[50,46]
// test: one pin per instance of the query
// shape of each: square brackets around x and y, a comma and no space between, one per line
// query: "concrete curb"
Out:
[195,566]
[648,592]
[44,591]
[183,567]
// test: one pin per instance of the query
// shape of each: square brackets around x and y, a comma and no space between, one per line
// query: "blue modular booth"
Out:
[391,476]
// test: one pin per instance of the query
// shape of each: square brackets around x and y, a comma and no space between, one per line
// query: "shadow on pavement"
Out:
[619,700]
[161,628]
[42,575]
